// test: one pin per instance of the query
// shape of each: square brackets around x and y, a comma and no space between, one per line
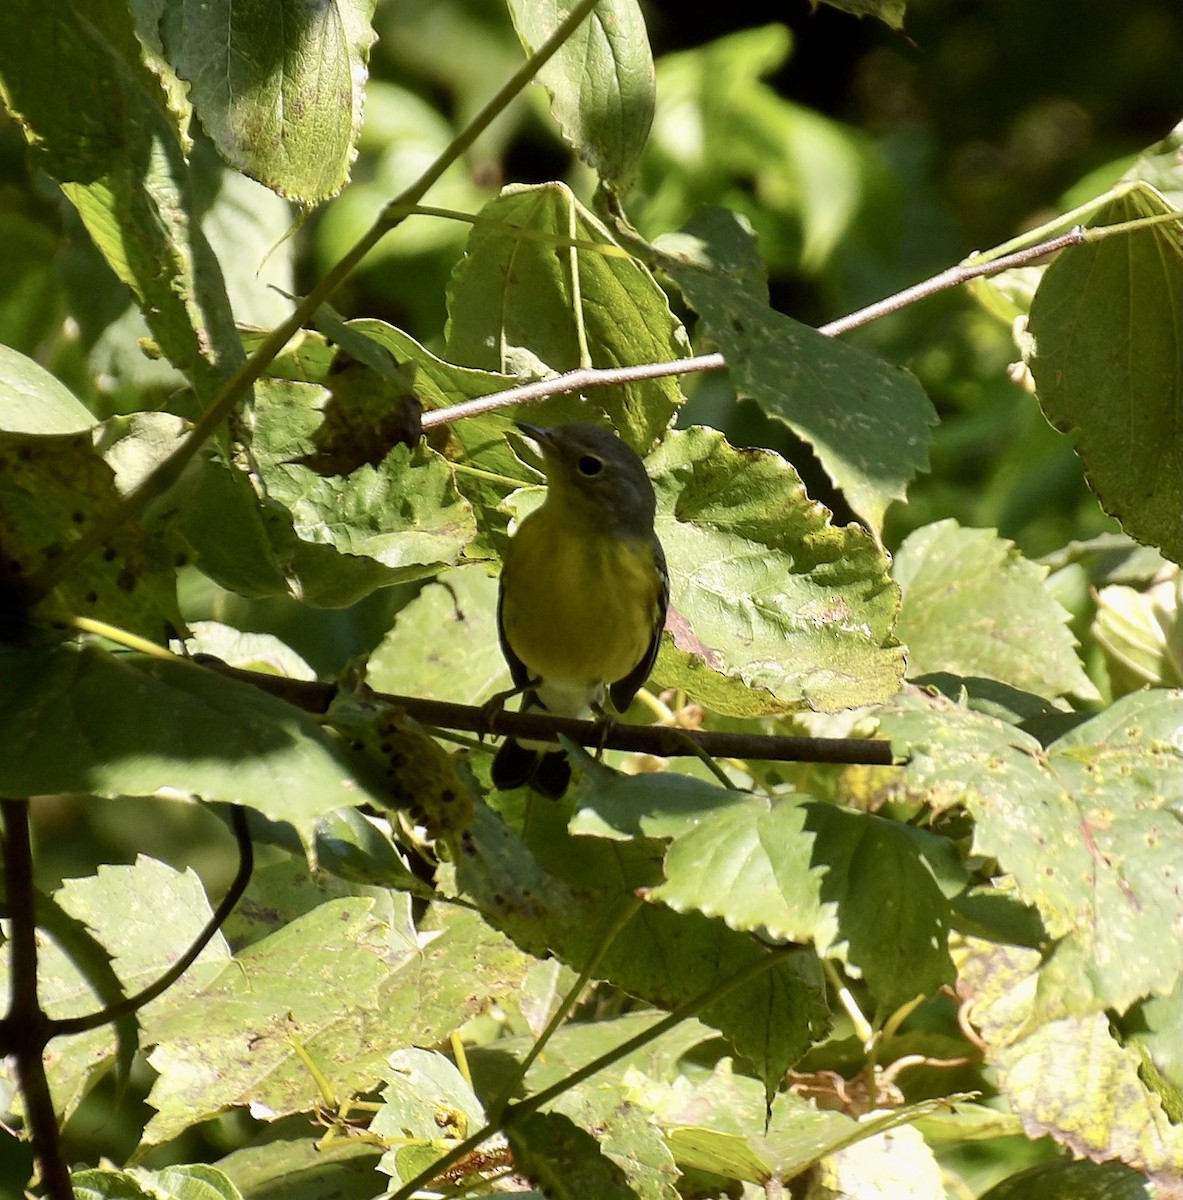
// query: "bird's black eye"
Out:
[589,465]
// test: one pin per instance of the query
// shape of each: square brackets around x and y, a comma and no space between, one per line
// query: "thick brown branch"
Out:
[25,1031]
[660,740]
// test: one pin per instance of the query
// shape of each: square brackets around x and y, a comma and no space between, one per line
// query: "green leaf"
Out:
[288,1159]
[52,488]
[868,422]
[1160,166]
[79,721]
[104,117]
[248,228]
[895,1165]
[763,589]
[973,606]
[425,1099]
[523,302]
[564,1160]
[33,401]
[561,894]
[1122,408]
[1141,634]
[278,86]
[145,916]
[1065,1179]
[720,1123]
[1069,1078]
[1087,829]
[605,1109]
[601,82]
[327,989]
[856,886]
[400,516]
[443,645]
[196,1181]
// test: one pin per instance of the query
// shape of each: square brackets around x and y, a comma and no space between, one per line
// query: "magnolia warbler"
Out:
[583,593]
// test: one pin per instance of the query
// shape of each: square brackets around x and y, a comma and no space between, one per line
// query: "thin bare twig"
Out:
[591,377]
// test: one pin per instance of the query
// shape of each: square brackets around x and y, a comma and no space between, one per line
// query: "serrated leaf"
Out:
[238,1039]
[561,894]
[868,422]
[1123,408]
[79,721]
[317,1000]
[601,82]
[443,645]
[855,886]
[105,117]
[1069,1078]
[477,441]
[145,916]
[974,607]
[425,1099]
[763,589]
[1087,829]
[521,299]
[721,1124]
[278,86]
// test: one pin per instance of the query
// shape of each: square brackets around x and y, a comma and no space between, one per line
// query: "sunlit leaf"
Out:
[763,589]
[522,301]
[868,422]
[600,81]
[1070,1078]
[278,86]
[973,606]
[106,117]
[1122,407]
[1087,829]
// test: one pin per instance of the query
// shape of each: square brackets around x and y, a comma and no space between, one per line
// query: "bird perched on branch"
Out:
[583,593]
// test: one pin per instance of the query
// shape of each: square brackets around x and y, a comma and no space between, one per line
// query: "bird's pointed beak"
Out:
[537,433]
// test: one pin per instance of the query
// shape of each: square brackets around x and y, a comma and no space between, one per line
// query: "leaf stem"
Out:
[121,637]
[628,908]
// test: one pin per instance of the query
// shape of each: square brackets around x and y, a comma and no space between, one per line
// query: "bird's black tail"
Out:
[547,772]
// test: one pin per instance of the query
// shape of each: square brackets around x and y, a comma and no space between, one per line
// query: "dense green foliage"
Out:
[961,975]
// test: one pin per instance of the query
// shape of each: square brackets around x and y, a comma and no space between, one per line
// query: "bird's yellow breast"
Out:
[578,608]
